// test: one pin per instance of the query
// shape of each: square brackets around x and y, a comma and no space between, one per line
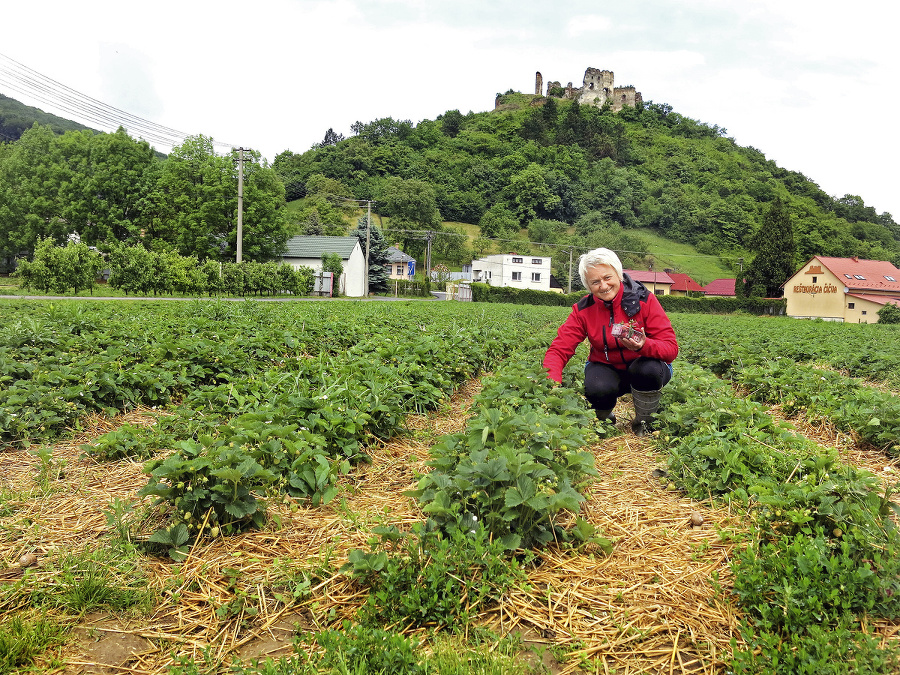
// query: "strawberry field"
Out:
[250,487]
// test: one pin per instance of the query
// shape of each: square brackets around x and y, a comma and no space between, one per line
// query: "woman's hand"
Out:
[635,342]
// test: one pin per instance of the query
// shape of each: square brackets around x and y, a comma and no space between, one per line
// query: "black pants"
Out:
[603,384]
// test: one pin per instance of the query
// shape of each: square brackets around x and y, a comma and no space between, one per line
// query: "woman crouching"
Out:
[632,340]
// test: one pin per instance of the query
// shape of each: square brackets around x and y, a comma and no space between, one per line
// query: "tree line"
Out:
[559,173]
[137,270]
[534,169]
[112,189]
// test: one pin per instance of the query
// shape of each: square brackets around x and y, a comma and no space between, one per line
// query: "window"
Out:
[536,261]
[889,277]
[517,260]
[851,305]
[814,279]
[849,276]
[517,276]
[400,270]
[859,276]
[659,291]
[863,312]
[536,276]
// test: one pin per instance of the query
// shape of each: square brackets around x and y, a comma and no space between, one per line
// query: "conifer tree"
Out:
[775,250]
[379,265]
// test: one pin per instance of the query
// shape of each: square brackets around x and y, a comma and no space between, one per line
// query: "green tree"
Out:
[530,193]
[130,268]
[379,264]
[31,175]
[481,246]
[546,231]
[411,205]
[59,268]
[774,248]
[498,221]
[890,313]
[452,122]
[331,138]
[104,199]
[196,202]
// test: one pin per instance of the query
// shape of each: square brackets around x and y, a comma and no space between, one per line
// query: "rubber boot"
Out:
[606,415]
[646,403]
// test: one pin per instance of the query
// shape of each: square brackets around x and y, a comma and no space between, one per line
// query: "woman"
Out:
[632,340]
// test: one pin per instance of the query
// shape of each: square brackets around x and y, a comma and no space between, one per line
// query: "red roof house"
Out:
[658,283]
[684,284]
[720,287]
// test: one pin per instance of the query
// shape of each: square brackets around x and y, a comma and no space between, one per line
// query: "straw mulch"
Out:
[647,608]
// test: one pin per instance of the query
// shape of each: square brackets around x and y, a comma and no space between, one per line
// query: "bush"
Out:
[889,314]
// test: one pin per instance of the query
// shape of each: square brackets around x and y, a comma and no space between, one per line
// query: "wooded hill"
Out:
[571,174]
[545,170]
[16,118]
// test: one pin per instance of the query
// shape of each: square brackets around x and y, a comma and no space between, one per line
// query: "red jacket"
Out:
[592,319]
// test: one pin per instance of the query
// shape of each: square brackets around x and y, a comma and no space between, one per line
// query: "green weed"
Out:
[21,640]
[98,579]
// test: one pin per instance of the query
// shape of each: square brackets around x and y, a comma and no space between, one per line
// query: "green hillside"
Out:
[536,176]
[645,181]
[16,118]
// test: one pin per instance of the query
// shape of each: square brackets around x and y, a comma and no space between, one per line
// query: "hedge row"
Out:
[671,303]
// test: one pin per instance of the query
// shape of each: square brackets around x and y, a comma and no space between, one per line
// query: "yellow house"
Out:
[658,283]
[842,289]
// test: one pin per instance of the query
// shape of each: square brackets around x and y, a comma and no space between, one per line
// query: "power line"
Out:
[84,108]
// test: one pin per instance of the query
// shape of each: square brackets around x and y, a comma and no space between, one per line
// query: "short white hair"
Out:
[599,256]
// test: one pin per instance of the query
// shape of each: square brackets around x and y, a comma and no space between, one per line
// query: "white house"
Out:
[513,270]
[306,251]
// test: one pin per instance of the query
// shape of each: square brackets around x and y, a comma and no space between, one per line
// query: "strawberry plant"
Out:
[209,488]
[426,577]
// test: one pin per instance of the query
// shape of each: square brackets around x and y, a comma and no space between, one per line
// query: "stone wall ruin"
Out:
[597,88]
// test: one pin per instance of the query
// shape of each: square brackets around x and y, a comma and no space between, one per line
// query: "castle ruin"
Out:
[598,88]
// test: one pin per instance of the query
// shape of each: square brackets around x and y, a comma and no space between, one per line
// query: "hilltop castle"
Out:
[597,88]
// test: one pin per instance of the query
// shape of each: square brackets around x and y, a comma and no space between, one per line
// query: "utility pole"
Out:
[368,241]
[240,206]
[570,271]
[428,255]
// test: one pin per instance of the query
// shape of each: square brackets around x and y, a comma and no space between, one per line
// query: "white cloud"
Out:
[592,24]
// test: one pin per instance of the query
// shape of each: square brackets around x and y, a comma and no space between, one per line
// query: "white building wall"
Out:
[352,281]
[514,271]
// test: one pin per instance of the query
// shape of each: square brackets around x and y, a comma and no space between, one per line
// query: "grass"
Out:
[21,640]
[684,258]
[104,578]
[371,651]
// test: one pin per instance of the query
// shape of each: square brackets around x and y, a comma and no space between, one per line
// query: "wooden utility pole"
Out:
[240,206]
[368,241]
[428,255]
[570,271]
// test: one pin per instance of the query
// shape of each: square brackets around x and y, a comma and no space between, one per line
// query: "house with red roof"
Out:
[842,289]
[658,283]
[684,285]
[720,287]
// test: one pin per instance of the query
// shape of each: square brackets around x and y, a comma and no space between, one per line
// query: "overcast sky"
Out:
[813,84]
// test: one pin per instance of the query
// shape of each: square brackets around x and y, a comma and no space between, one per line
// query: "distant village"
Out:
[833,289]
